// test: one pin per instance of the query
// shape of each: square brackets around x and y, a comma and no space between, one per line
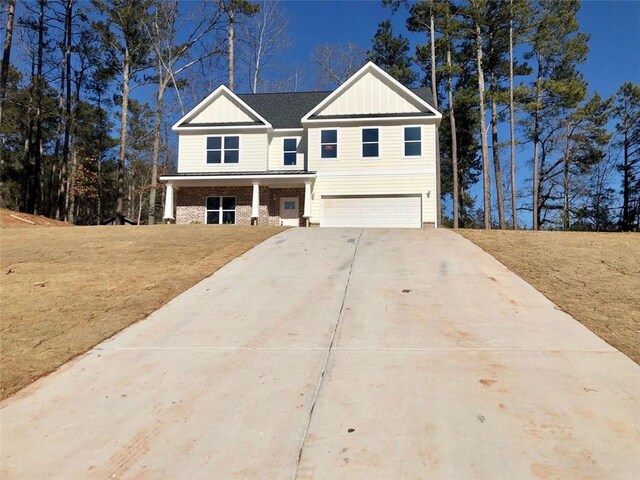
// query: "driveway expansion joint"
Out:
[325,364]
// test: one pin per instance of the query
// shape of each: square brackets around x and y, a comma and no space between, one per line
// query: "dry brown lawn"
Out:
[595,277]
[63,290]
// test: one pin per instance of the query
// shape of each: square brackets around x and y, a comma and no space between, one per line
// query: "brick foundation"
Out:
[191,203]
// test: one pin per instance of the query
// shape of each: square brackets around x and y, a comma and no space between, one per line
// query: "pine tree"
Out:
[627,115]
[124,37]
[557,48]
[391,53]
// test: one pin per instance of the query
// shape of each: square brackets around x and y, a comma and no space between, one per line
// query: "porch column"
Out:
[307,200]
[255,202]
[168,203]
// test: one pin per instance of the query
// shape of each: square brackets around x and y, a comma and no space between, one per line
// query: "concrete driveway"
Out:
[339,354]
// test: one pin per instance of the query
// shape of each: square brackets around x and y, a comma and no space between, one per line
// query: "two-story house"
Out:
[363,155]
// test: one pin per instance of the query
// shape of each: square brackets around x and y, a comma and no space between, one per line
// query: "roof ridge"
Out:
[283,93]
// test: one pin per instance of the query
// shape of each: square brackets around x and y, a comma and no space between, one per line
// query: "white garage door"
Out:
[379,211]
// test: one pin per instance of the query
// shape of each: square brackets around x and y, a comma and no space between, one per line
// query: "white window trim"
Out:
[297,139]
[362,142]
[222,149]
[413,141]
[220,210]
[337,144]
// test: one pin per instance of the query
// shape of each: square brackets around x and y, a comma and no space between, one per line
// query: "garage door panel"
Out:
[372,211]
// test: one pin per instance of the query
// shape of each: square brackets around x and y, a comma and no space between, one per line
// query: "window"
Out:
[221,210]
[288,205]
[290,151]
[223,149]
[412,141]
[370,142]
[329,144]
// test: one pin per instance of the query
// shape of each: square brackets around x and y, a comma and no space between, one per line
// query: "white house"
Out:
[363,155]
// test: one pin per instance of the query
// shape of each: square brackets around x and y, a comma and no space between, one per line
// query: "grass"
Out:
[64,290]
[595,277]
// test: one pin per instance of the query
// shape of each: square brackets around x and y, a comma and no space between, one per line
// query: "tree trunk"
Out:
[565,183]
[454,140]
[156,149]
[496,163]
[626,180]
[512,125]
[486,183]
[140,202]
[36,199]
[536,150]
[4,76]
[6,55]
[123,140]
[432,32]
[71,208]
[231,39]
[61,211]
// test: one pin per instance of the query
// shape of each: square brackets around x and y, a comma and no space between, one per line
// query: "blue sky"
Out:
[614,27]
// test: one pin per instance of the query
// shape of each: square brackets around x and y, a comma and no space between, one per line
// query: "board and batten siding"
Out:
[192,153]
[371,94]
[276,151]
[222,110]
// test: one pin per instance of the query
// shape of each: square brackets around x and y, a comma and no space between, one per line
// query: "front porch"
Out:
[266,198]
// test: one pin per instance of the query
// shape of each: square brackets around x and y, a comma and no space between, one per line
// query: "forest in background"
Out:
[87,89]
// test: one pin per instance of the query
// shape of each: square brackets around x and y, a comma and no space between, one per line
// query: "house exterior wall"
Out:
[389,174]
[191,203]
[276,150]
[192,152]
[370,94]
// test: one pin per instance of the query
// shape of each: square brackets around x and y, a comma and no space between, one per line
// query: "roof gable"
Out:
[372,92]
[222,107]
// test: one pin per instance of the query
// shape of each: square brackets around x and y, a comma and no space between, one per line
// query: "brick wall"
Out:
[191,201]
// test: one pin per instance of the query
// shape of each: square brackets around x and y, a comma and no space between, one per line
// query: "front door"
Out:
[289,212]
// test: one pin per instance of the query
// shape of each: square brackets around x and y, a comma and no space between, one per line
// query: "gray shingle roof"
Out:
[284,110]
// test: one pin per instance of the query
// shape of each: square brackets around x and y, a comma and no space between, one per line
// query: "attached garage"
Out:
[388,211]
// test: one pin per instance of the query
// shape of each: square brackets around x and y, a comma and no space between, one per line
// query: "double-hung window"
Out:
[221,210]
[412,141]
[290,147]
[329,144]
[370,142]
[223,149]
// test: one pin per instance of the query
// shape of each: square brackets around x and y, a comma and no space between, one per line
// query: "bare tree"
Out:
[262,38]
[171,59]
[335,63]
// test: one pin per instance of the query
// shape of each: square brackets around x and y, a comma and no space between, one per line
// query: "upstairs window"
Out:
[412,141]
[223,149]
[329,144]
[370,142]
[290,147]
